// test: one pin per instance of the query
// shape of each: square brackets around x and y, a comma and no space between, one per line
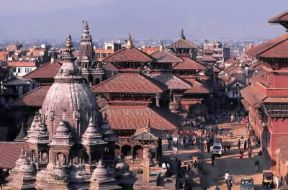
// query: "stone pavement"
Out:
[231,162]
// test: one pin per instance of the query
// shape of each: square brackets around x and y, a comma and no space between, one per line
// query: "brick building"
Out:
[266,99]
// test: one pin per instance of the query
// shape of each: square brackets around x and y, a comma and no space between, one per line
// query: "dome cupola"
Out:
[70,94]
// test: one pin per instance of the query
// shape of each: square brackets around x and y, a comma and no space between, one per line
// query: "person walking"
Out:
[277,182]
[229,147]
[250,153]
[257,163]
[229,184]
[217,187]
[245,145]
[241,154]
[212,160]
[208,147]
[226,176]
[249,142]
[205,144]
[239,144]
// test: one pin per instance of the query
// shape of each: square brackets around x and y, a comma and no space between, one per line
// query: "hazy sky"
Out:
[145,19]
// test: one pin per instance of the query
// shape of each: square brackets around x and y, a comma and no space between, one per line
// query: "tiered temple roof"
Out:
[188,64]
[45,71]
[275,48]
[196,87]
[182,43]
[208,58]
[133,83]
[33,98]
[136,116]
[170,80]
[252,96]
[165,57]
[128,55]
[281,19]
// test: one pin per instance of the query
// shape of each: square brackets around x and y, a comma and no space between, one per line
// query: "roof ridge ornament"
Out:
[183,35]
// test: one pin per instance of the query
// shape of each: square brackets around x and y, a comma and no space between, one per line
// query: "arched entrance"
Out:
[137,152]
[117,151]
[126,151]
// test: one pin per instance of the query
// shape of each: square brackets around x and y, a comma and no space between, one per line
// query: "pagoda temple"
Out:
[132,100]
[191,71]
[266,99]
[183,47]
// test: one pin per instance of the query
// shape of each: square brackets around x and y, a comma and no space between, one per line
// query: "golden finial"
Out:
[69,44]
[162,47]
[129,42]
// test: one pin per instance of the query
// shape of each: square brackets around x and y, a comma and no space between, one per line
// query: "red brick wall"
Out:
[279,126]
[279,81]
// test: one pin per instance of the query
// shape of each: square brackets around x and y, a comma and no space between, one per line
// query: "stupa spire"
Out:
[69,44]
[129,42]
[86,33]
[162,47]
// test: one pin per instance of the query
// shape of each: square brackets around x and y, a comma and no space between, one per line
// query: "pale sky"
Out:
[145,19]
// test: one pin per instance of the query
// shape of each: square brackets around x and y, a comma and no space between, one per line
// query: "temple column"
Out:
[146,164]
[132,152]
[157,97]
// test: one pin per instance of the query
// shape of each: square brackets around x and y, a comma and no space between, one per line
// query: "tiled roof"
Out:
[275,48]
[208,51]
[182,43]
[208,58]
[9,153]
[129,83]
[188,64]
[231,61]
[47,70]
[196,87]
[150,50]
[165,57]
[135,117]
[170,80]
[283,17]
[276,100]
[21,64]
[110,67]
[128,55]
[102,50]
[216,69]
[33,98]
[151,134]
[251,95]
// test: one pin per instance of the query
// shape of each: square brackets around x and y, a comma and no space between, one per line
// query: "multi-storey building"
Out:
[219,51]
[266,99]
